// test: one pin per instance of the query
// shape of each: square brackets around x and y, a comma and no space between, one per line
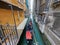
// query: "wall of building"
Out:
[47,25]
[51,26]
[7,17]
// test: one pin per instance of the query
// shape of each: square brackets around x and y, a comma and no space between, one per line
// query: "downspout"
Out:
[14,18]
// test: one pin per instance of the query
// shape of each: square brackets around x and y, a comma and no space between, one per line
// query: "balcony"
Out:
[56,3]
[56,0]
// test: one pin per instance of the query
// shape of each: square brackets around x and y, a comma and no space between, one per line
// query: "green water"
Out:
[37,38]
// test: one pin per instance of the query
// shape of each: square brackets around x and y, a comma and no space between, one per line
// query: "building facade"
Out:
[49,20]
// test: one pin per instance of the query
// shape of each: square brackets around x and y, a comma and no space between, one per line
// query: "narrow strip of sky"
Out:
[31,5]
[31,9]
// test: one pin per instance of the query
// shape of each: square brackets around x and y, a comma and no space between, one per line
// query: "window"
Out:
[18,15]
[56,25]
[21,1]
[46,6]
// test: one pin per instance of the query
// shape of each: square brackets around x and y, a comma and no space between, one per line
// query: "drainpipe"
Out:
[14,18]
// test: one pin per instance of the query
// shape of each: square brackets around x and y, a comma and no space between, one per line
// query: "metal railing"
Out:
[8,35]
[56,0]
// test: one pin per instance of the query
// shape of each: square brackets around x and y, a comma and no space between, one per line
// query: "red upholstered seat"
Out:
[28,35]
